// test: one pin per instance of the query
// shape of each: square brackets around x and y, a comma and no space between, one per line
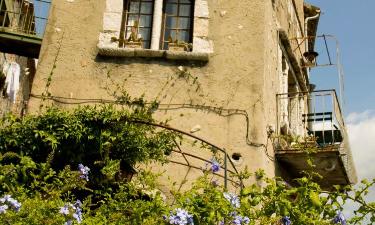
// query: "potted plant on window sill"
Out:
[134,41]
[179,46]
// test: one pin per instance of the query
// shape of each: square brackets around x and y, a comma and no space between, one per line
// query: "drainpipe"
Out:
[306,22]
[307,39]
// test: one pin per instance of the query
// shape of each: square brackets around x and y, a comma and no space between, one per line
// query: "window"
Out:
[138,20]
[157,29]
[178,22]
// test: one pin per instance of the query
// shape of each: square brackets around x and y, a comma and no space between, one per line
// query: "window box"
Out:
[134,44]
[179,47]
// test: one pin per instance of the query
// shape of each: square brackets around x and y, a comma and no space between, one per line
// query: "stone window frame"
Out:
[112,18]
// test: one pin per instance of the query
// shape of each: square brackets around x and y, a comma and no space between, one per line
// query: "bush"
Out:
[69,167]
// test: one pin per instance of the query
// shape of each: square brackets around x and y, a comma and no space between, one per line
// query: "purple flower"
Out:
[5,198]
[69,222]
[3,209]
[233,199]
[286,220]
[239,220]
[180,217]
[84,170]
[215,165]
[8,201]
[74,210]
[339,218]
[14,204]
[64,210]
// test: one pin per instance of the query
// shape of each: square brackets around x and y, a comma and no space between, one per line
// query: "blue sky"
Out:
[41,13]
[351,21]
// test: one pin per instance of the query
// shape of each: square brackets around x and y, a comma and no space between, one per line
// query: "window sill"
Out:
[150,53]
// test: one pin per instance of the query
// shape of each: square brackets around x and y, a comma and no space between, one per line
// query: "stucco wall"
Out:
[241,75]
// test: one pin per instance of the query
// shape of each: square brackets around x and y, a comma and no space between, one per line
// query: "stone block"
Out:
[201,9]
[106,39]
[179,55]
[114,6]
[112,21]
[202,45]
[201,27]
[149,53]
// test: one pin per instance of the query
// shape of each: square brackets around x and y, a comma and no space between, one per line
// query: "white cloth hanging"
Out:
[12,72]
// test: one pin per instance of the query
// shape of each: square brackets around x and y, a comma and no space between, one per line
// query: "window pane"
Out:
[184,23]
[145,33]
[146,7]
[171,22]
[184,36]
[167,34]
[134,7]
[172,34]
[185,1]
[171,9]
[145,21]
[132,19]
[172,1]
[146,44]
[185,10]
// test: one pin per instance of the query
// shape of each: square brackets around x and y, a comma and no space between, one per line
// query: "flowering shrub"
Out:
[84,170]
[41,184]
[339,219]
[233,199]
[179,217]
[8,202]
[215,165]
[72,211]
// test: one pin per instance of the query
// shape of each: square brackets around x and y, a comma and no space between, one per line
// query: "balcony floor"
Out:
[328,163]
[19,43]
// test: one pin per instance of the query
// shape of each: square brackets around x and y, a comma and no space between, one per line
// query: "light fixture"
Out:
[310,56]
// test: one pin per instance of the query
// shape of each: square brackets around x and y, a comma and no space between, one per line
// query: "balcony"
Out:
[310,126]
[22,25]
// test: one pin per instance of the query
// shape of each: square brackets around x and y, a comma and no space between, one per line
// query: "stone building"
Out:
[218,68]
[17,63]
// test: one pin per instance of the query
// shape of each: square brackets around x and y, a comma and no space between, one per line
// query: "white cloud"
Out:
[355,117]
[361,131]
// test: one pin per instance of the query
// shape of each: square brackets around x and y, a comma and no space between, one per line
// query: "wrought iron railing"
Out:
[315,118]
[311,114]
[24,16]
[196,152]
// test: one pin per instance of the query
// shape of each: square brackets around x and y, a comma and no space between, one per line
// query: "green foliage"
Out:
[88,135]
[39,156]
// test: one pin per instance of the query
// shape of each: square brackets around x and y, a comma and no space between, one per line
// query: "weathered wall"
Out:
[241,75]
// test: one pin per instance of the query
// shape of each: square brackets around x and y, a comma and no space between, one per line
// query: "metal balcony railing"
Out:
[311,114]
[27,17]
[22,26]
[313,119]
